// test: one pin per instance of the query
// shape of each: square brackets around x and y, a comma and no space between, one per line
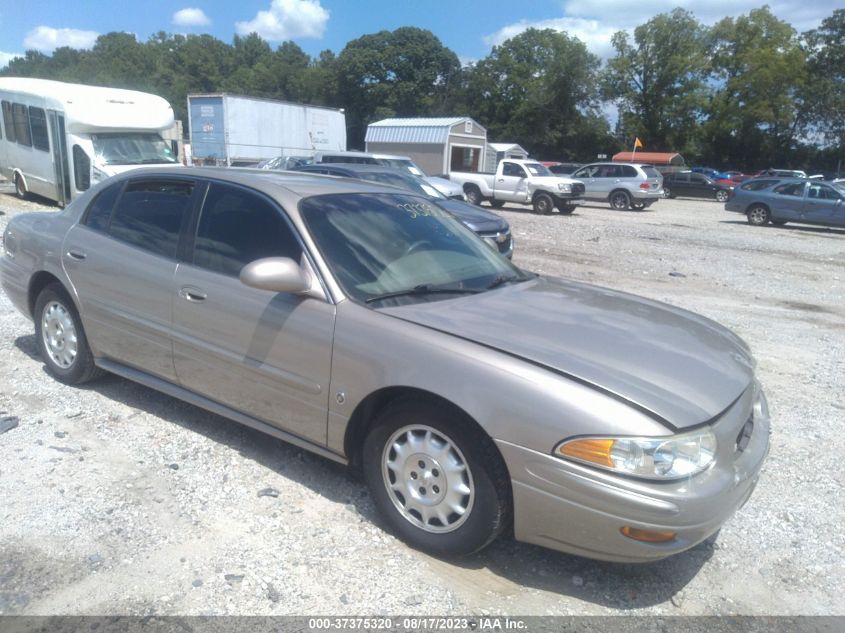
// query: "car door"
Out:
[824,205]
[787,201]
[262,353]
[700,186]
[511,181]
[121,259]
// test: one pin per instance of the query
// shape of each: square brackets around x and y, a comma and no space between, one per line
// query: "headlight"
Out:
[662,458]
[564,187]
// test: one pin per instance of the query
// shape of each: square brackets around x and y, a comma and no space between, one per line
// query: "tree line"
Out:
[748,92]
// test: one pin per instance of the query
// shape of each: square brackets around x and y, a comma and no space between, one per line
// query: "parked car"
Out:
[523,182]
[782,173]
[782,200]
[368,325]
[707,171]
[622,185]
[695,185]
[494,229]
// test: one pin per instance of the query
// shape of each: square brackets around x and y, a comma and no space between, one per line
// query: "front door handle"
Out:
[76,254]
[192,294]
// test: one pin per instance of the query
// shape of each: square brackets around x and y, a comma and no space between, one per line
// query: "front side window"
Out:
[150,214]
[81,169]
[21,118]
[237,227]
[512,169]
[823,192]
[380,244]
[132,149]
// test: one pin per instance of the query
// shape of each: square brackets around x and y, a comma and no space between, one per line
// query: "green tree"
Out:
[759,69]
[658,82]
[825,88]
[405,72]
[539,89]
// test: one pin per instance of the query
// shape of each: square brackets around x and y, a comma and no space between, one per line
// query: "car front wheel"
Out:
[61,339]
[722,195]
[438,480]
[758,215]
[543,204]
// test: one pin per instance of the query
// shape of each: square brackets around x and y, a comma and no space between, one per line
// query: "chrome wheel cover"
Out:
[58,333]
[722,196]
[757,215]
[619,201]
[427,478]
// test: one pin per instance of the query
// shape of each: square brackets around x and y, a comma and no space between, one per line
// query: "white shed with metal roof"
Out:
[499,151]
[436,145]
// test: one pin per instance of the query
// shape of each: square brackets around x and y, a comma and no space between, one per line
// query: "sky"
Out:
[469,27]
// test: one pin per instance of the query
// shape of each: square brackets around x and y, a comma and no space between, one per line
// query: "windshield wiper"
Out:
[500,280]
[424,289]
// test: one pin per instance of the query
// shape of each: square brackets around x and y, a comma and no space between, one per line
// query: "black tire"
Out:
[543,204]
[619,200]
[488,504]
[497,204]
[81,367]
[473,195]
[667,193]
[722,195]
[566,208]
[758,215]
[20,190]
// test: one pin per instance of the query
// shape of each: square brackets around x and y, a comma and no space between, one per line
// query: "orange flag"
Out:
[638,143]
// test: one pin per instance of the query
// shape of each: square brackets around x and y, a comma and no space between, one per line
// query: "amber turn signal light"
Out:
[648,536]
[595,451]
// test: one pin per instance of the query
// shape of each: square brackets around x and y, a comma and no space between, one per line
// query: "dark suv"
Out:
[694,185]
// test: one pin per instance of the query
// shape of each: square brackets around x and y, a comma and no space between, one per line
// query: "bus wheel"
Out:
[20,190]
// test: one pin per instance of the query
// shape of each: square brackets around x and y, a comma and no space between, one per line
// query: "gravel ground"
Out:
[119,500]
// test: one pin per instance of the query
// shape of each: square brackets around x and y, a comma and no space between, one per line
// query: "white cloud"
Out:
[46,38]
[5,58]
[286,20]
[191,16]
[594,23]
[595,34]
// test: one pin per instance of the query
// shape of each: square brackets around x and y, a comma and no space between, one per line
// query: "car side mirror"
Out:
[277,274]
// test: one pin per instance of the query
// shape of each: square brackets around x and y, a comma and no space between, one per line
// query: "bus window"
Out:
[8,122]
[21,124]
[38,126]
[81,169]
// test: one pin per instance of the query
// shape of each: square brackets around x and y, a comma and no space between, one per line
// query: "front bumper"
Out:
[581,510]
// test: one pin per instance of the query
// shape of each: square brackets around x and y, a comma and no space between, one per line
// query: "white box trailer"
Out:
[57,138]
[227,129]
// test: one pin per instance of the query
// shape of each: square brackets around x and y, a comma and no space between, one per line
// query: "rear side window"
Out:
[791,189]
[98,213]
[38,125]
[651,172]
[21,118]
[150,214]
[628,171]
[8,121]
[757,185]
[237,227]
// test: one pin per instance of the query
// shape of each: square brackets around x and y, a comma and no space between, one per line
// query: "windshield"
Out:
[131,149]
[379,244]
[536,169]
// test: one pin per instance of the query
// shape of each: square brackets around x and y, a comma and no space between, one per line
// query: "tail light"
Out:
[645,186]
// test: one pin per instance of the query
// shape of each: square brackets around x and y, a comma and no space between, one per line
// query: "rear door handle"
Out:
[192,294]
[76,254]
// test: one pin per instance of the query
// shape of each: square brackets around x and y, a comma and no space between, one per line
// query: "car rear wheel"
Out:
[543,204]
[473,194]
[667,193]
[566,208]
[438,480]
[758,215]
[620,200]
[722,195]
[638,206]
[61,339]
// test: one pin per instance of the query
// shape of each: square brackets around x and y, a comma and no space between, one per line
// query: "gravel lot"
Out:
[119,500]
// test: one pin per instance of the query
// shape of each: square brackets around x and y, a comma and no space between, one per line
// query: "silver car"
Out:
[622,185]
[370,326]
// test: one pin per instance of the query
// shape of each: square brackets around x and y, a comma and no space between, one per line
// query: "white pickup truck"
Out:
[523,181]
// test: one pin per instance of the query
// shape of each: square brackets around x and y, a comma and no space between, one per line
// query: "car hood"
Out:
[446,187]
[475,218]
[681,367]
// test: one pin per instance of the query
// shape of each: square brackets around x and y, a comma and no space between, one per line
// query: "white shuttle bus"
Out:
[57,139]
